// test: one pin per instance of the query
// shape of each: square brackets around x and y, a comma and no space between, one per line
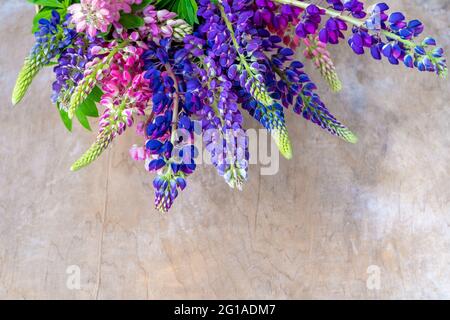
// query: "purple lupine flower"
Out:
[52,37]
[362,39]
[355,7]
[377,34]
[332,31]
[222,122]
[310,21]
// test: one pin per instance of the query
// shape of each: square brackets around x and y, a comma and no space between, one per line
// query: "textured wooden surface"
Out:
[311,231]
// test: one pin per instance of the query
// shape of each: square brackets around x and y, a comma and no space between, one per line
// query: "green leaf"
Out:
[65,119]
[165,4]
[89,108]
[48,3]
[83,119]
[193,12]
[43,14]
[96,94]
[130,21]
[106,33]
[142,6]
[186,9]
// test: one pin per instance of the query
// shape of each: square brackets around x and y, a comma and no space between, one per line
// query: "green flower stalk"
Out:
[309,104]
[313,109]
[30,69]
[272,118]
[270,114]
[113,122]
[51,39]
[101,144]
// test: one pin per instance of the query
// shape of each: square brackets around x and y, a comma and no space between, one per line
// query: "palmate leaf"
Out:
[186,9]
[130,21]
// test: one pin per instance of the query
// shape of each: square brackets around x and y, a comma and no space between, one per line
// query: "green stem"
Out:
[351,20]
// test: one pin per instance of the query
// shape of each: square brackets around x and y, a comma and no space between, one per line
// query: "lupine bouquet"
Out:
[179,68]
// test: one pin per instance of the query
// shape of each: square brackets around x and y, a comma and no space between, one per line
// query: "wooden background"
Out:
[311,231]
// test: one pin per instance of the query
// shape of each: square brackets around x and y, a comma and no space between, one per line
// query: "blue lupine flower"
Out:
[52,37]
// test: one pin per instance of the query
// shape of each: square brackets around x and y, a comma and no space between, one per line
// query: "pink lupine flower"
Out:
[157,24]
[126,91]
[138,153]
[97,15]
[317,52]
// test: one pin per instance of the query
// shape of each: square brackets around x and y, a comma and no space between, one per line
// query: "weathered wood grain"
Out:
[311,231]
